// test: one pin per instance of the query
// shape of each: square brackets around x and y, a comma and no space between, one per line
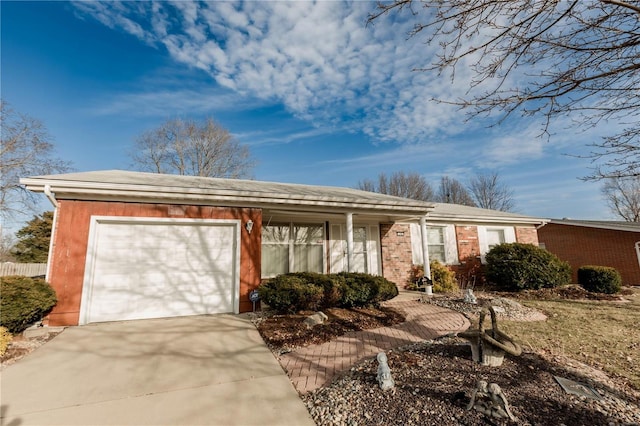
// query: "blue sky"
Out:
[319,97]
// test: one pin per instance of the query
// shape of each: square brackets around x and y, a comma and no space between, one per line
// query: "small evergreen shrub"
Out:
[360,289]
[386,289]
[301,291]
[444,279]
[357,290]
[517,266]
[290,293]
[23,301]
[332,288]
[5,339]
[599,279]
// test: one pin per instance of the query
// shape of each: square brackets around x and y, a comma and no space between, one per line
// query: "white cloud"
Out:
[162,103]
[319,59]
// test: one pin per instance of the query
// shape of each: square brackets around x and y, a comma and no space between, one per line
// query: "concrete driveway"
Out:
[211,370]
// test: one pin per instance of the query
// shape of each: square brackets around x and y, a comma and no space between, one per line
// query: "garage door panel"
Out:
[152,270]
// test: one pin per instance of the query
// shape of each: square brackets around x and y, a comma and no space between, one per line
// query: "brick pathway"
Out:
[312,367]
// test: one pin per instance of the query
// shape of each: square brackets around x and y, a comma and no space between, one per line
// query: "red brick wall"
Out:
[395,249]
[467,240]
[527,235]
[581,246]
[72,234]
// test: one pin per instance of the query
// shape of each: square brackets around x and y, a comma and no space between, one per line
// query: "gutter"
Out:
[541,225]
[50,196]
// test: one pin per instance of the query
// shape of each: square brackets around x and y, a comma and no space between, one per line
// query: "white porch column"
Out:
[425,247]
[349,242]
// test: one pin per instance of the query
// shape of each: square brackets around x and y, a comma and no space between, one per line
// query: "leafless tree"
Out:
[452,191]
[26,149]
[410,185]
[489,192]
[187,147]
[623,197]
[7,242]
[553,59]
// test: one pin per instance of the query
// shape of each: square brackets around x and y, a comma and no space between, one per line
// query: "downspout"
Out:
[638,251]
[50,196]
[54,202]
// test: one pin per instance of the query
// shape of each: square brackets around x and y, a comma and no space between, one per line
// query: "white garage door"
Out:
[152,268]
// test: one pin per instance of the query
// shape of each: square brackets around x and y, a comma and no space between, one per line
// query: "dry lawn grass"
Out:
[603,334]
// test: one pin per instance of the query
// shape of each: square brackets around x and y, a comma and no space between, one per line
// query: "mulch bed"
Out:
[285,332]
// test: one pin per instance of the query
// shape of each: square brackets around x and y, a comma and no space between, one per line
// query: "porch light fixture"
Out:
[249,225]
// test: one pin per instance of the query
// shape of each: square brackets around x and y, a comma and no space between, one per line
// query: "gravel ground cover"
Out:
[433,385]
[435,380]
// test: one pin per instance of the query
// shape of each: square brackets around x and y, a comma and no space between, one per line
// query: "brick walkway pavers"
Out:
[314,366]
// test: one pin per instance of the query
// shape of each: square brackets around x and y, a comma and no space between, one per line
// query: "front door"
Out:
[364,249]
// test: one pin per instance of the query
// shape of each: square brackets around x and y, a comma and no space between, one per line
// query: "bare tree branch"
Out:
[411,185]
[187,147]
[489,192]
[623,197]
[26,149]
[553,59]
[451,191]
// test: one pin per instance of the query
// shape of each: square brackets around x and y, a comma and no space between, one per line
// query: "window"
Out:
[441,241]
[360,249]
[495,237]
[435,238]
[292,248]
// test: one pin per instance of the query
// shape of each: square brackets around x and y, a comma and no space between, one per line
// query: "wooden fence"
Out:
[28,269]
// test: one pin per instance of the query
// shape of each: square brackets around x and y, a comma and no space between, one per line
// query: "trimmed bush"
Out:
[357,289]
[517,266]
[360,289]
[302,291]
[24,301]
[290,293]
[5,339]
[331,287]
[599,279]
[386,289]
[444,279]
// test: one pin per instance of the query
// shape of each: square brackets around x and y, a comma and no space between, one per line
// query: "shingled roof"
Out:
[121,185]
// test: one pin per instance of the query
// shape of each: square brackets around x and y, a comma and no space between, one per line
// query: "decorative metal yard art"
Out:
[489,346]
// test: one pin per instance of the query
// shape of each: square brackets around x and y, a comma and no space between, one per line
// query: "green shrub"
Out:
[301,291]
[517,266]
[290,293]
[360,289]
[599,279]
[24,300]
[357,290]
[386,289]
[444,279]
[5,338]
[332,288]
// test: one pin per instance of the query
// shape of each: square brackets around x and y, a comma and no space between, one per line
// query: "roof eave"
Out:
[486,219]
[125,192]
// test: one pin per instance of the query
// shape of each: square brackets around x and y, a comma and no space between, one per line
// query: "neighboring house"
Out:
[604,243]
[131,245]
